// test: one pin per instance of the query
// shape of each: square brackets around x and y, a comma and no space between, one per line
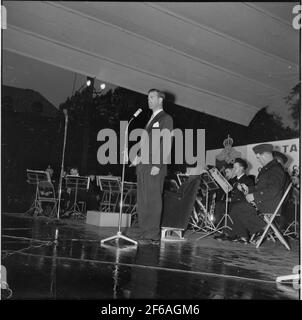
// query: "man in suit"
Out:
[238,177]
[265,195]
[239,169]
[152,168]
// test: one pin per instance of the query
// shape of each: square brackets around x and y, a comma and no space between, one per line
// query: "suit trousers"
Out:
[149,201]
[245,220]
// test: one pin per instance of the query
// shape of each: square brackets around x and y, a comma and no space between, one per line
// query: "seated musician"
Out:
[93,194]
[238,176]
[53,179]
[74,171]
[69,194]
[263,197]
[50,171]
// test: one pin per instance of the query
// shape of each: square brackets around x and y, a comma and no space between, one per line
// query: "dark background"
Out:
[33,133]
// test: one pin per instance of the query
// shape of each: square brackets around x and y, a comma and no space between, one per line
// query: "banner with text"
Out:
[289,147]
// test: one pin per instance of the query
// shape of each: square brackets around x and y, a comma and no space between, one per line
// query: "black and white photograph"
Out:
[150,154]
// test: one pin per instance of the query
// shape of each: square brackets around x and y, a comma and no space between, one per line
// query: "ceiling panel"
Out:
[213,57]
[244,23]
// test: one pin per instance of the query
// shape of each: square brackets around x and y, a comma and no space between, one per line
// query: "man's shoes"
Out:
[255,237]
[234,239]
[243,240]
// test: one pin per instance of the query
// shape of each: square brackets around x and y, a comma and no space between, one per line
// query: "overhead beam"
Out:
[34,46]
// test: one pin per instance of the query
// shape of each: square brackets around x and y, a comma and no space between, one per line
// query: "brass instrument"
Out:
[212,207]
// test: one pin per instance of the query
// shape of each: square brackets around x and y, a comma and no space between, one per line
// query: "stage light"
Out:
[102,86]
[88,83]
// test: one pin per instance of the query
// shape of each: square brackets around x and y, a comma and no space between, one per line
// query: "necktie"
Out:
[147,125]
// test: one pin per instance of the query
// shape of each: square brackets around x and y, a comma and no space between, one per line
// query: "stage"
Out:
[45,260]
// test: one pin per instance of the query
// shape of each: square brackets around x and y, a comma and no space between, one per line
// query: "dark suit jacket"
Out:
[237,195]
[270,186]
[156,153]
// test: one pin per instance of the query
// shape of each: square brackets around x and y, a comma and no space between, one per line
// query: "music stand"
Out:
[218,178]
[207,225]
[111,188]
[226,187]
[76,183]
[129,197]
[210,185]
[35,177]
[293,227]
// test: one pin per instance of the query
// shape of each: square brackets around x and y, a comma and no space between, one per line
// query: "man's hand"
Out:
[154,171]
[249,197]
[243,188]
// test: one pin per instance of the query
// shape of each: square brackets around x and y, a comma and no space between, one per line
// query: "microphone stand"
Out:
[119,233]
[62,164]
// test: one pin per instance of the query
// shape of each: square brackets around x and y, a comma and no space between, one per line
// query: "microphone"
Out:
[65,111]
[138,111]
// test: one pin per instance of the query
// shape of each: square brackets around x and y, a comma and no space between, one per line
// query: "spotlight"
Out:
[102,86]
[88,83]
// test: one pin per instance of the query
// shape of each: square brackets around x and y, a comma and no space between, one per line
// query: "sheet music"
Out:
[77,181]
[208,181]
[35,176]
[219,178]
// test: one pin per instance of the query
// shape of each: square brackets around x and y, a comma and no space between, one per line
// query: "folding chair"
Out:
[269,219]
[46,194]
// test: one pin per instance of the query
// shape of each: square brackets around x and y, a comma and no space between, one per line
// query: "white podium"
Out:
[107,219]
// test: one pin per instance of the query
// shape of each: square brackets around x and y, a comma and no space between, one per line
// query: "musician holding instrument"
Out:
[236,195]
[263,197]
[68,194]
[241,178]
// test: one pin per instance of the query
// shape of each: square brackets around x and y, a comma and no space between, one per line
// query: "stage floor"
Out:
[77,267]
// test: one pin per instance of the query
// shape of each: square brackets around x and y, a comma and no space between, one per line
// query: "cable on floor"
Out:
[44,243]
